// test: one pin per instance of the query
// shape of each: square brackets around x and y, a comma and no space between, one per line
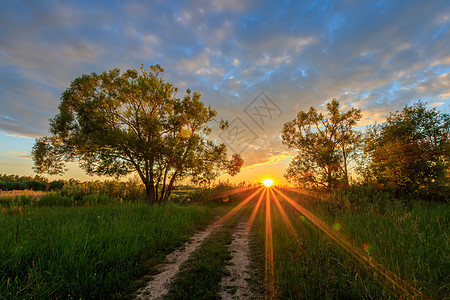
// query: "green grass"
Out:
[200,275]
[257,258]
[410,242]
[100,251]
[317,268]
[89,252]
[199,278]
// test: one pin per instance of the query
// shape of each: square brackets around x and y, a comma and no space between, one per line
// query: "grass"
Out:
[199,278]
[316,268]
[411,242]
[18,202]
[99,251]
[89,252]
[257,258]
[19,193]
[200,275]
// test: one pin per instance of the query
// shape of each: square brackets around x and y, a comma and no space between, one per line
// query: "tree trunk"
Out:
[344,155]
[329,179]
[166,195]
[150,191]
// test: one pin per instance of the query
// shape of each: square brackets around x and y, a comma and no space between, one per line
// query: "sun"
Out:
[267,182]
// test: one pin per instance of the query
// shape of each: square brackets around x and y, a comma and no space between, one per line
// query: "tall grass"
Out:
[20,202]
[88,252]
[409,240]
[315,267]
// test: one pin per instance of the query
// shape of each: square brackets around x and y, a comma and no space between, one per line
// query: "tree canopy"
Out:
[114,124]
[410,151]
[323,143]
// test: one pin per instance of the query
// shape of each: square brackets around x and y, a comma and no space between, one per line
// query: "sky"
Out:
[258,63]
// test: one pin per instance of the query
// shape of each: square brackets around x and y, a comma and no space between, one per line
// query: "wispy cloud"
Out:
[272,160]
[377,56]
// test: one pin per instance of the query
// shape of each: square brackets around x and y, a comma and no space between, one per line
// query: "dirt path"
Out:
[235,285]
[159,286]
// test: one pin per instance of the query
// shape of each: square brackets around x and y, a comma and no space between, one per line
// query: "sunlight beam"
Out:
[228,193]
[251,220]
[269,266]
[384,274]
[232,212]
[286,220]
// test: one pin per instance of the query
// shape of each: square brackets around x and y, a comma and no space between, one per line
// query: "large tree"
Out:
[410,151]
[114,124]
[324,143]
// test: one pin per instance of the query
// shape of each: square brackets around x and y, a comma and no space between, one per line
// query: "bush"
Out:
[36,185]
[13,185]
[56,185]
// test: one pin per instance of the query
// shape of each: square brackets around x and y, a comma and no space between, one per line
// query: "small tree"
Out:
[115,124]
[410,152]
[324,143]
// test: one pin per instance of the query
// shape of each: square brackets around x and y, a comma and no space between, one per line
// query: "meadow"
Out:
[409,242]
[89,251]
[80,245]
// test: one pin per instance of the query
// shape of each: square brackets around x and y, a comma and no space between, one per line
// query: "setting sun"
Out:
[267,182]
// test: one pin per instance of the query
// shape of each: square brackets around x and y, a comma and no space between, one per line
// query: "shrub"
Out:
[13,185]
[36,185]
[56,185]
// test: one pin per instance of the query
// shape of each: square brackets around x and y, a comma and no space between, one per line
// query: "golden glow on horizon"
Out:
[267,182]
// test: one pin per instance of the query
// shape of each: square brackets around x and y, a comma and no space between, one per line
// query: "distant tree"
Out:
[324,143]
[56,185]
[410,151]
[114,124]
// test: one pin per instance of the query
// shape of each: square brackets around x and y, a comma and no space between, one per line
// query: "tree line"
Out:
[16,182]
[408,154]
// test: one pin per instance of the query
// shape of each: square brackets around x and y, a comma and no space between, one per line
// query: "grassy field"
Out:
[410,242]
[99,251]
[89,252]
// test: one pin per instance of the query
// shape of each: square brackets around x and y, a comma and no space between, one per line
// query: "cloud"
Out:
[271,160]
[25,155]
[377,56]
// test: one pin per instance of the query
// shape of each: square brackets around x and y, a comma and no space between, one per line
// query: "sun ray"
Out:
[314,195]
[269,266]
[251,220]
[228,193]
[232,212]
[285,219]
[397,284]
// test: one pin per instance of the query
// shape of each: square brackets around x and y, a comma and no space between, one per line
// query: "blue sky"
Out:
[375,55]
